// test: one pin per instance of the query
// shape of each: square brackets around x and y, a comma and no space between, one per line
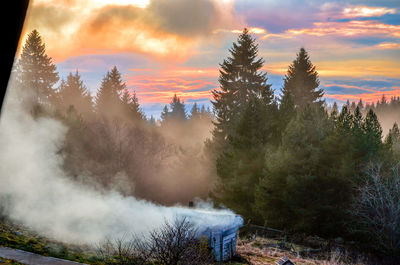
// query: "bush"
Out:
[174,243]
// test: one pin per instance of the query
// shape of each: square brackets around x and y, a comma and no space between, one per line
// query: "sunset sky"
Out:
[163,47]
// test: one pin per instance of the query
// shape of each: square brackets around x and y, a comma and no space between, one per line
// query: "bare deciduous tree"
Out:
[174,243]
[378,209]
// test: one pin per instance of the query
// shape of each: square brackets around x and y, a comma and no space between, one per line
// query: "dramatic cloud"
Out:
[165,29]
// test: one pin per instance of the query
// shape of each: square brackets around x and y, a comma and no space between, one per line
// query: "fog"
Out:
[36,191]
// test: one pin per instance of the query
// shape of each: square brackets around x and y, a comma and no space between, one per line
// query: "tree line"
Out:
[295,164]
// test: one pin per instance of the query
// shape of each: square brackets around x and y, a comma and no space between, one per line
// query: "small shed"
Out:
[222,239]
[218,227]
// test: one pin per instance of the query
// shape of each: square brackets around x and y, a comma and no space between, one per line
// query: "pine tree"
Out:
[195,112]
[301,82]
[241,165]
[360,104]
[36,71]
[392,143]
[134,107]
[152,121]
[287,111]
[130,107]
[178,112]
[334,112]
[240,80]
[73,93]
[108,96]
[164,114]
[373,136]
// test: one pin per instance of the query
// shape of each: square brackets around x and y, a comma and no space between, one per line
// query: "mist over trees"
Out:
[288,162]
[110,142]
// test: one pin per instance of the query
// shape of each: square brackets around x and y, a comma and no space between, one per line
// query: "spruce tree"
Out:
[36,72]
[373,136]
[241,165]
[164,114]
[287,111]
[240,80]
[360,104]
[301,82]
[392,143]
[334,111]
[108,96]
[178,112]
[73,93]
[135,111]
[195,112]
[130,107]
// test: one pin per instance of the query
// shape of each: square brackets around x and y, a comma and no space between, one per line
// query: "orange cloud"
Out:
[123,29]
[351,28]
[366,11]
[163,29]
[388,45]
[358,68]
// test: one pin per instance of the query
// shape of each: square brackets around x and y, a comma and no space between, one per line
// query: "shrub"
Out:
[174,243]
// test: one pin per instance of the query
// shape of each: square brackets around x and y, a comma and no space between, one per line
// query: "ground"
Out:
[251,250]
[261,250]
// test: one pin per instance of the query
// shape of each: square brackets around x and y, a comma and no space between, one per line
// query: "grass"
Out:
[4,261]
[15,236]
[260,250]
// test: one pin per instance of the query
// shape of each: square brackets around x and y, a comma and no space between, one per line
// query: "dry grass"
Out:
[257,252]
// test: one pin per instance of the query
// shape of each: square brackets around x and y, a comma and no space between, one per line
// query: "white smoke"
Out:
[36,191]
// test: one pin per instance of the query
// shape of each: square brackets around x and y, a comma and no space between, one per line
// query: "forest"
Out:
[289,162]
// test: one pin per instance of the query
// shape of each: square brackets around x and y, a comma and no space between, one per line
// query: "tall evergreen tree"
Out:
[240,80]
[178,112]
[392,143]
[373,135]
[73,93]
[36,73]
[164,114]
[287,111]
[108,96]
[334,111]
[301,82]
[360,104]
[195,112]
[241,165]
[130,107]
[134,107]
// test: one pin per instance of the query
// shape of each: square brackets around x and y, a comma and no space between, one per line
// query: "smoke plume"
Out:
[36,191]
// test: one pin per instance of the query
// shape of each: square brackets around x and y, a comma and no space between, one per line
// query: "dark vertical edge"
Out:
[12,16]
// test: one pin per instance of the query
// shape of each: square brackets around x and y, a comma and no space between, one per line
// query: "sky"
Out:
[172,47]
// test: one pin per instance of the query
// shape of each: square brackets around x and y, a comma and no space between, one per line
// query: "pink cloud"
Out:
[366,97]
[161,85]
